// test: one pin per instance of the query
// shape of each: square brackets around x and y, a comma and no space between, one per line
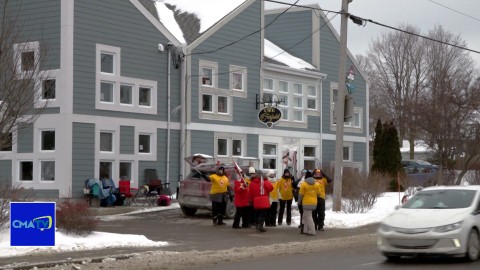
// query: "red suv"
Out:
[194,191]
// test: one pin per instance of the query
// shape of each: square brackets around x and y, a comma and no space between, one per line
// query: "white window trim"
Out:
[20,48]
[242,145]
[153,143]
[48,75]
[40,131]
[312,97]
[350,151]
[113,141]
[212,99]
[240,70]
[117,79]
[40,171]
[34,172]
[150,139]
[228,99]
[229,137]
[97,167]
[214,67]
[359,111]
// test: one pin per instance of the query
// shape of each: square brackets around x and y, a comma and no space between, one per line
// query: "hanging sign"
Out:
[269,115]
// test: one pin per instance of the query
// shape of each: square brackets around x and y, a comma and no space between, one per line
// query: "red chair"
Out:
[124,188]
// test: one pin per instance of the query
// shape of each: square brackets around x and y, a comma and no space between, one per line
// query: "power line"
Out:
[459,12]
[303,6]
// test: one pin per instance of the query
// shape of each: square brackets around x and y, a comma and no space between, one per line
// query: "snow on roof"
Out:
[168,20]
[276,53]
[209,12]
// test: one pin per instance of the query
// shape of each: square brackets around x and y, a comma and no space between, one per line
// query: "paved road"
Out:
[186,234]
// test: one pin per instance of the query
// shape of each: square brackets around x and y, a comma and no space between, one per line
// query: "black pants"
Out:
[300,209]
[288,204]
[218,211]
[272,214]
[319,214]
[261,216]
[242,213]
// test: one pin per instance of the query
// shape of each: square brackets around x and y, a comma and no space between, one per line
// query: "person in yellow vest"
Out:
[285,188]
[307,197]
[319,214]
[219,195]
[272,212]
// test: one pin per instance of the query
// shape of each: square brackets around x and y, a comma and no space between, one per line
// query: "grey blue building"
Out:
[141,84]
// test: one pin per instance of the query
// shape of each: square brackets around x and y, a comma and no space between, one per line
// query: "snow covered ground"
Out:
[99,240]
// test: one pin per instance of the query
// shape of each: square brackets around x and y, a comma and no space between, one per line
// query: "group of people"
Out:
[262,202]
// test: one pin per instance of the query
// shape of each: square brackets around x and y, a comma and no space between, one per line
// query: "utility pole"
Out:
[339,110]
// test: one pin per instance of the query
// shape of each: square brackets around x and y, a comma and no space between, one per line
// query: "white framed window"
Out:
[237,147]
[238,78]
[48,89]
[47,140]
[267,84]
[105,169]
[6,142]
[357,123]
[297,116]
[126,94]
[106,141]
[309,157]
[26,56]
[222,105]
[269,156]
[144,143]
[283,87]
[115,92]
[106,91]
[144,96]
[25,170]
[207,103]
[125,170]
[207,76]
[285,116]
[47,170]
[222,147]
[348,153]
[311,97]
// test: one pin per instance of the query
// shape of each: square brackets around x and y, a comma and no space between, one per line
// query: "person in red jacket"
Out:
[259,190]
[241,203]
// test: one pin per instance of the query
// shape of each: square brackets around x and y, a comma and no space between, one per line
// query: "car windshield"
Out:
[441,199]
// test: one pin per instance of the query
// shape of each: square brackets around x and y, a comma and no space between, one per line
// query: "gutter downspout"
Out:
[167,180]
[183,85]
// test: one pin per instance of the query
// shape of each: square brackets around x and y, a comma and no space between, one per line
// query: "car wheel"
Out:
[187,211]
[473,246]
[231,210]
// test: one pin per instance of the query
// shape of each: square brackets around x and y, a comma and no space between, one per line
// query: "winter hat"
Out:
[286,171]
[251,170]
[221,168]
[308,174]
[271,175]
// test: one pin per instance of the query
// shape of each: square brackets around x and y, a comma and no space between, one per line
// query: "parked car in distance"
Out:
[418,162]
[421,175]
[194,190]
[441,220]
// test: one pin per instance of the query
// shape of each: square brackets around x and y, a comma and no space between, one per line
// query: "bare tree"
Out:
[24,92]
[448,114]
[397,73]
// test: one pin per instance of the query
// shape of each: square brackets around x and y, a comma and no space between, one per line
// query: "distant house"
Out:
[142,84]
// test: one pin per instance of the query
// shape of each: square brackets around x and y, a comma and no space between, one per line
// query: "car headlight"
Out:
[386,228]
[447,228]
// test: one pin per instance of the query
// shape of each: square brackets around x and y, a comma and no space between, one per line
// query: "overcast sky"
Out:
[424,14]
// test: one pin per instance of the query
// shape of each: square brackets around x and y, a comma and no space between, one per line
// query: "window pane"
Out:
[105,170]
[311,104]
[297,115]
[28,61]
[283,86]
[48,89]
[125,172]
[269,149]
[106,63]
[312,90]
[222,105]
[346,153]
[207,103]
[6,142]
[222,147]
[298,102]
[284,98]
[284,114]
[26,170]
[126,94]
[106,92]
[335,95]
[47,170]
[309,151]
[268,84]
[237,81]
[267,97]
[297,88]
[356,120]
[106,142]
[144,96]
[207,76]
[269,163]
[236,148]
[144,143]
[309,164]
[48,140]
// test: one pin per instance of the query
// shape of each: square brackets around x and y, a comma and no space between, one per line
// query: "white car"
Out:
[442,220]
